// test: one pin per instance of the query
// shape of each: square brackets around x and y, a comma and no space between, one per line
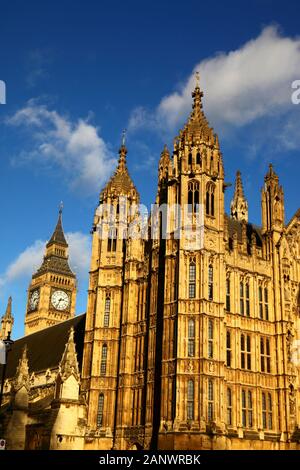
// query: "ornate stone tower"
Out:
[52,291]
[7,321]
[109,342]
[187,282]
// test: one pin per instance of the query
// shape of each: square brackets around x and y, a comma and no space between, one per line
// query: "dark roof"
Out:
[45,347]
[55,264]
[235,226]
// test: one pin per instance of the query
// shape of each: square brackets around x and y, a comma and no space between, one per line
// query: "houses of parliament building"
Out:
[180,347]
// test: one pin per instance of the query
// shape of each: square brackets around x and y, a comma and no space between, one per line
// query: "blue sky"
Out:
[78,73]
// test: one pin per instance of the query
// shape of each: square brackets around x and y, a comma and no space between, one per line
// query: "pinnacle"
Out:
[8,308]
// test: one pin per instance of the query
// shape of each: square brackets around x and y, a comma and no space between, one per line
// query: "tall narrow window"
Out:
[198,158]
[270,411]
[107,310]
[264,410]
[190,159]
[229,406]
[247,300]
[100,410]
[265,356]
[250,410]
[260,302]
[210,338]
[207,202]
[191,338]
[242,311]
[193,197]
[247,409]
[266,303]
[267,418]
[212,203]
[248,352]
[210,395]
[114,243]
[190,400]
[103,360]
[245,352]
[192,279]
[244,409]
[210,282]
[112,240]
[210,200]
[228,294]
[228,349]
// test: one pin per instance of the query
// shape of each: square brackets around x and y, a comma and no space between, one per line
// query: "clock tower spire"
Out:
[52,291]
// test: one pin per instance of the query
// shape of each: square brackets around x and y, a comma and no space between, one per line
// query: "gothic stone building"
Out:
[180,348]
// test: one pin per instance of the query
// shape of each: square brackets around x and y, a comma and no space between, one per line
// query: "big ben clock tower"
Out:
[52,291]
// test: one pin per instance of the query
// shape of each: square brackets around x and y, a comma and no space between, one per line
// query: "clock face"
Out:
[34,299]
[60,300]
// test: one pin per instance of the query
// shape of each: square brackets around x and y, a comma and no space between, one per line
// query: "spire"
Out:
[68,364]
[164,161]
[197,126]
[120,182]
[7,321]
[271,175]
[272,202]
[239,204]
[122,164]
[8,314]
[56,256]
[22,374]
[58,234]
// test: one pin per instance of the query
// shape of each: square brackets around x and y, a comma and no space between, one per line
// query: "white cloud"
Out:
[31,258]
[240,86]
[25,264]
[79,253]
[75,147]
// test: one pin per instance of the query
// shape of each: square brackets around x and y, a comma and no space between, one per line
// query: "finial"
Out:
[61,206]
[197,77]
[123,137]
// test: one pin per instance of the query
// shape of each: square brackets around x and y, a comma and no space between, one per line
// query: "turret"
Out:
[7,321]
[239,204]
[272,203]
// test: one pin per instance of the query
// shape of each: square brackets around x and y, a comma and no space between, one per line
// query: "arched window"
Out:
[193,197]
[192,279]
[190,160]
[210,396]
[100,410]
[198,158]
[107,310]
[210,199]
[210,282]
[191,338]
[103,360]
[190,400]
